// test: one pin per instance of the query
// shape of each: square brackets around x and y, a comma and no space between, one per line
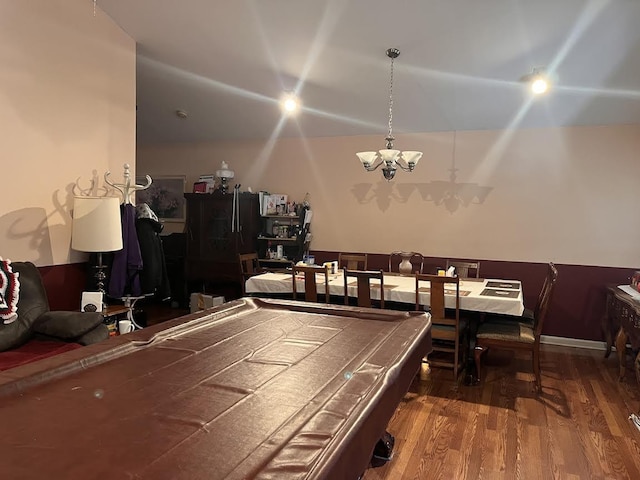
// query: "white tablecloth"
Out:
[402,289]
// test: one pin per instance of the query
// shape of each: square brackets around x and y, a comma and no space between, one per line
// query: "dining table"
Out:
[488,295]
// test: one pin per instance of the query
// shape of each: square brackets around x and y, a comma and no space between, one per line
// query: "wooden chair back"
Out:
[542,306]
[444,328]
[310,283]
[248,267]
[465,269]
[363,278]
[438,285]
[416,259]
[352,261]
[513,333]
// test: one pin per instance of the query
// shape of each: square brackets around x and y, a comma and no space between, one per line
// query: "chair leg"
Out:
[466,345]
[477,356]
[456,360]
[536,367]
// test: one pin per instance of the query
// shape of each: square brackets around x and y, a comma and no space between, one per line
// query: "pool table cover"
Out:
[265,389]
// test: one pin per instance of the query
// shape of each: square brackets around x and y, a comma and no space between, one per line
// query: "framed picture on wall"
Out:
[165,196]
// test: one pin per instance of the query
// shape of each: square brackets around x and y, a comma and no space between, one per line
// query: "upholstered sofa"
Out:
[38,332]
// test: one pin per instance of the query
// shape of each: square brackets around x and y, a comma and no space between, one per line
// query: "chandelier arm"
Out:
[371,167]
[408,168]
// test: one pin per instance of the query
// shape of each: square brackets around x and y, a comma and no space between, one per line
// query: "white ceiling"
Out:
[226,63]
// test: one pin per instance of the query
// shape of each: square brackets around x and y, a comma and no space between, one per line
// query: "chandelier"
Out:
[389,158]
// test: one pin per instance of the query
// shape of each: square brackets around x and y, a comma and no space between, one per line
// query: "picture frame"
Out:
[165,196]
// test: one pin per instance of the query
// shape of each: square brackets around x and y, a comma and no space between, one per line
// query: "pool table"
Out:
[254,388]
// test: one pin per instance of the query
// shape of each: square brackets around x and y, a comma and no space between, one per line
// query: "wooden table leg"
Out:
[621,348]
[606,330]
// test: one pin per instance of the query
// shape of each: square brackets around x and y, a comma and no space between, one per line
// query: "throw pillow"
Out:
[66,325]
[9,292]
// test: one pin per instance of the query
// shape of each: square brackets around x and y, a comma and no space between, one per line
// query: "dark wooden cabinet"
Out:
[214,242]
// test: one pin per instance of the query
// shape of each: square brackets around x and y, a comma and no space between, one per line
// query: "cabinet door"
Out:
[209,227]
[250,226]
[218,240]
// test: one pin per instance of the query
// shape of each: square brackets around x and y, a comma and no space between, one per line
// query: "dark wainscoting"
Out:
[578,302]
[576,309]
[64,285]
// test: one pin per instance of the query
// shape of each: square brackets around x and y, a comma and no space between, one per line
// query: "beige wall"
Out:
[567,195]
[67,112]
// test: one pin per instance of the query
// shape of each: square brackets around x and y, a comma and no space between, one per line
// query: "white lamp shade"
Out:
[224,173]
[411,156]
[367,158]
[96,224]
[388,155]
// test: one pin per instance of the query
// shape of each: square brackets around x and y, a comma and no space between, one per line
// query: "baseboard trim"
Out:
[573,342]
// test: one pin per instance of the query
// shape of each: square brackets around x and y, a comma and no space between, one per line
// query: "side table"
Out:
[623,314]
[112,314]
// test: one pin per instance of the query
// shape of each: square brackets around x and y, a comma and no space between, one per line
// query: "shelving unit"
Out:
[287,231]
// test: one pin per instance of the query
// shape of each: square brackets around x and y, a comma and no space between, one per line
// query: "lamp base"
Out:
[100,277]
[223,185]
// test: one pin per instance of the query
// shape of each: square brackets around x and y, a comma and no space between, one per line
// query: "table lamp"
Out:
[97,228]
[224,174]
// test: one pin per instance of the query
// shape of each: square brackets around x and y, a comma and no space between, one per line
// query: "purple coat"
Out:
[127,263]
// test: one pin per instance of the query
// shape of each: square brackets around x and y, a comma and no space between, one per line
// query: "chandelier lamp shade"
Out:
[390,159]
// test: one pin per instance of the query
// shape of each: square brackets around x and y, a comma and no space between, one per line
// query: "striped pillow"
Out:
[9,292]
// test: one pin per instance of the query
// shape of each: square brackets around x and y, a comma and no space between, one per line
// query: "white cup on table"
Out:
[125,326]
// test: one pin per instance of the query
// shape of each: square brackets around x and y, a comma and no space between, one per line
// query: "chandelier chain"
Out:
[390,133]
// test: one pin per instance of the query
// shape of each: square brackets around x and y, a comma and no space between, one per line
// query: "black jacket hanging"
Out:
[153,277]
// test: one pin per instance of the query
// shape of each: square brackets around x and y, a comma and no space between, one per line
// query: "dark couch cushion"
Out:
[67,325]
[14,335]
[32,302]
[32,351]
[98,334]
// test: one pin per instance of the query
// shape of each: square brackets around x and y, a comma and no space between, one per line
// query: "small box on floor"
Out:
[200,301]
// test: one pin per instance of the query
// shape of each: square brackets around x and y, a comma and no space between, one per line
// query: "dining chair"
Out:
[352,261]
[249,267]
[363,278]
[465,269]
[518,333]
[310,283]
[448,331]
[398,261]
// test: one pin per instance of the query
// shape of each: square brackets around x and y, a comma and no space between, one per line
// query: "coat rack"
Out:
[126,188]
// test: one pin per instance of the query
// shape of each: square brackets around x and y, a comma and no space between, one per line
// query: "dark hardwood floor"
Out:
[578,428]
[161,312]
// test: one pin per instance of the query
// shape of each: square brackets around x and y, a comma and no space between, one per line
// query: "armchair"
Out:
[36,321]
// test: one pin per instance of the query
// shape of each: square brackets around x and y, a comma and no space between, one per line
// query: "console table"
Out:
[623,316]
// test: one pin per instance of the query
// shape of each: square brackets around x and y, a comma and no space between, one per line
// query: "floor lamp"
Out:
[97,228]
